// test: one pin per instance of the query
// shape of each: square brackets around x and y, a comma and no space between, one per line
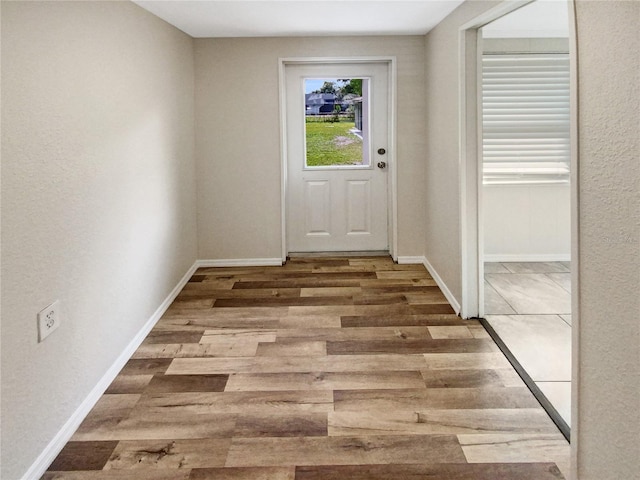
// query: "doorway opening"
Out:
[518,208]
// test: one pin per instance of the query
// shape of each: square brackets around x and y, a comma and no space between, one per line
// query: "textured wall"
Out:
[238,132]
[608,381]
[98,202]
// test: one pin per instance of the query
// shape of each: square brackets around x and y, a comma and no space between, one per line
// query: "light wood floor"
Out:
[325,368]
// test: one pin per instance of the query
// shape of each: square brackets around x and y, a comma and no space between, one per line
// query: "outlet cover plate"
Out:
[48,320]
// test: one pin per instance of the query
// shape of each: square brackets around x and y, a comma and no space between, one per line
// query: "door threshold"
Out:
[531,385]
[374,253]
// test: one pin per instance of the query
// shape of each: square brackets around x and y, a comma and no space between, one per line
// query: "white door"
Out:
[337,164]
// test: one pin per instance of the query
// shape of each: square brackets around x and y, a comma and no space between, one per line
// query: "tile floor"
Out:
[529,307]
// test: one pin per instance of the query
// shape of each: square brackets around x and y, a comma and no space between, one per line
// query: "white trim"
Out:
[494,13]
[471,234]
[541,257]
[240,262]
[55,446]
[392,159]
[478,176]
[443,286]
[283,155]
[574,183]
[404,260]
[392,190]
[359,59]
[468,144]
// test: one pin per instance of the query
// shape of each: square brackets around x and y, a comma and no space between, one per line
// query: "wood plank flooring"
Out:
[324,368]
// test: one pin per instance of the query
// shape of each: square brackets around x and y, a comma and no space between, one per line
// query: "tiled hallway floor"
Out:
[529,307]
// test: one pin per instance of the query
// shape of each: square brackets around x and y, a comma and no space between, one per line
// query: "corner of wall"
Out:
[53,448]
[421,260]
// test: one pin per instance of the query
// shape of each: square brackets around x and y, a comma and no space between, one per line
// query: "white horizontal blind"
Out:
[525,119]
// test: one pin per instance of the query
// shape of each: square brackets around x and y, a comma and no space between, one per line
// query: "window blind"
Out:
[525,119]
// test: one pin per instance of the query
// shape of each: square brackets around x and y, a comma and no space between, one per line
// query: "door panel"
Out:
[337,207]
[358,207]
[317,208]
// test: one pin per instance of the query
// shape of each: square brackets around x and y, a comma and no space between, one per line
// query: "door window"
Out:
[336,122]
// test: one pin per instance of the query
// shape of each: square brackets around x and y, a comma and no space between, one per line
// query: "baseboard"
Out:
[240,262]
[54,447]
[551,257]
[443,286]
[355,253]
[410,260]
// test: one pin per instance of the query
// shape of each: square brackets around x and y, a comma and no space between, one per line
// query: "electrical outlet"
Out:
[48,320]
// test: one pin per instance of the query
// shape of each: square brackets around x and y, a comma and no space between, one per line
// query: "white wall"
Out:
[237,138]
[605,431]
[608,301]
[526,223]
[98,199]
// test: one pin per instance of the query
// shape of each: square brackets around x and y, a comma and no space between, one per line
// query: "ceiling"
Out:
[286,18]
[543,18]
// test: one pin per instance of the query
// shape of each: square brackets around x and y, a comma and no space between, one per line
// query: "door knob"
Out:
[381,151]
[382,164]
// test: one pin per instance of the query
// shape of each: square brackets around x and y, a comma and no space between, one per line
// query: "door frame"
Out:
[392,180]
[470,147]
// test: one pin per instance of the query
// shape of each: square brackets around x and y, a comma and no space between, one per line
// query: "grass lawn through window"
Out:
[332,143]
